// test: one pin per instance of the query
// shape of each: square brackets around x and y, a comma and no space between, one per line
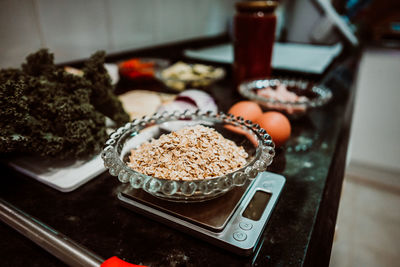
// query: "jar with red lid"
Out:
[254,35]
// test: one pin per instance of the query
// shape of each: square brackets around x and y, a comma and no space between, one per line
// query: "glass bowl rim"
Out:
[188,190]
[261,134]
[324,94]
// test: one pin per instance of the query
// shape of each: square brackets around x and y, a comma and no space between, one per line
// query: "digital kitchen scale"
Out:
[234,221]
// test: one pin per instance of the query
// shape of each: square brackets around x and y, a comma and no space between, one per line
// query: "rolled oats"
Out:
[191,153]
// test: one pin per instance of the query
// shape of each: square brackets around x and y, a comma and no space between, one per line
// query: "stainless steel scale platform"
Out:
[234,221]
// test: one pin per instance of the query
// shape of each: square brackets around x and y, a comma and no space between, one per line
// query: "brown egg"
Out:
[246,109]
[277,126]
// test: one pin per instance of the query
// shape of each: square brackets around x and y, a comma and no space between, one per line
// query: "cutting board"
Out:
[62,175]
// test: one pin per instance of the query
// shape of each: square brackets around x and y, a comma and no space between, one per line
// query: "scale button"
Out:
[245,225]
[239,236]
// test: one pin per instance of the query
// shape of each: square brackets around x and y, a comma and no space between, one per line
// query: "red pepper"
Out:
[117,262]
[135,68]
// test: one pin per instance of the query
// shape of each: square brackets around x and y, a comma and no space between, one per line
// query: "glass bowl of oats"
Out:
[189,156]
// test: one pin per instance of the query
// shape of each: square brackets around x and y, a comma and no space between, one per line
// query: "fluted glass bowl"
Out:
[255,140]
[317,95]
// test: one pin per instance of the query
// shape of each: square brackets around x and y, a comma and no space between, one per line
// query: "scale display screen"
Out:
[256,206]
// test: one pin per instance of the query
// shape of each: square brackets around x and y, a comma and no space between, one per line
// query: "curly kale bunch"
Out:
[48,112]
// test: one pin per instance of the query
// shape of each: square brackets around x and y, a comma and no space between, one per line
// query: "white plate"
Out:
[63,175]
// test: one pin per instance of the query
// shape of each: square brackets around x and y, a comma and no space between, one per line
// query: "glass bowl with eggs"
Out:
[188,156]
[181,76]
[290,96]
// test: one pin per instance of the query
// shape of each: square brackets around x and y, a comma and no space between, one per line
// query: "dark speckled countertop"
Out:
[300,230]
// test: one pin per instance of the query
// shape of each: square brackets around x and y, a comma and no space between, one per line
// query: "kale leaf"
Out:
[48,112]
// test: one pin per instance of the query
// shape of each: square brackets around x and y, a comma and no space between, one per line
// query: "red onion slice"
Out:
[201,99]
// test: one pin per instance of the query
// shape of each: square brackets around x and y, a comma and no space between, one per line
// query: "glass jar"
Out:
[254,34]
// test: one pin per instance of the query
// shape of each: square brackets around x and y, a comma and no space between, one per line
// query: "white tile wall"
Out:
[19,31]
[172,20]
[132,23]
[221,14]
[198,22]
[74,29]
